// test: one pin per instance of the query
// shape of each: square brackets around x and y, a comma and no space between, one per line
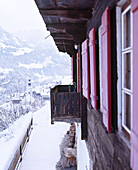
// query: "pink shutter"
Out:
[72,66]
[106,69]
[85,68]
[93,68]
[134,131]
[78,73]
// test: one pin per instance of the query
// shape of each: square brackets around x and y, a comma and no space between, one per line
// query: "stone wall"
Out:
[108,151]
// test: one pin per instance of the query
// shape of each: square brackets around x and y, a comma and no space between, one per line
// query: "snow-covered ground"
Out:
[83,160]
[43,149]
[10,140]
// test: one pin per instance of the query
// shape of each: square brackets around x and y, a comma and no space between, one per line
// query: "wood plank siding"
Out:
[65,104]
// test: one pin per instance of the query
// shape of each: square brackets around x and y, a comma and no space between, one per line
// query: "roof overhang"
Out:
[66,20]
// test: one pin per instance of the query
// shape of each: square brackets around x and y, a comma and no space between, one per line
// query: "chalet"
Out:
[101,37]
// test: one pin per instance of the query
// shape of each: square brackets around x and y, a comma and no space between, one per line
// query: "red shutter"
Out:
[134,131]
[93,68]
[85,68]
[72,66]
[78,73]
[106,69]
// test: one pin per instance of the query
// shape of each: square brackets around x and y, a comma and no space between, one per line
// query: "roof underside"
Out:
[66,20]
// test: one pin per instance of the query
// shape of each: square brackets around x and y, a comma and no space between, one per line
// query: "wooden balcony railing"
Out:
[65,104]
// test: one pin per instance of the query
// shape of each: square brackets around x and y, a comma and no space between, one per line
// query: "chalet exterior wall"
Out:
[109,146]
[108,151]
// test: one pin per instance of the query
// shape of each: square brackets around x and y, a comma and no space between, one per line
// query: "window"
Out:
[127,69]
[85,69]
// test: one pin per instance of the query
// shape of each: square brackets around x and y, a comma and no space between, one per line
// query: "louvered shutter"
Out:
[92,49]
[106,69]
[134,131]
[85,68]
[78,73]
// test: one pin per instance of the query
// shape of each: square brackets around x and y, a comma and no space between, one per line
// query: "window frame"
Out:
[123,115]
[123,70]
[123,52]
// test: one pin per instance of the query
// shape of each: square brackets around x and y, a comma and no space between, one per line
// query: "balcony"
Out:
[65,104]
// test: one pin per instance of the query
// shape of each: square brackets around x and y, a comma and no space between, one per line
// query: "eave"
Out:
[66,21]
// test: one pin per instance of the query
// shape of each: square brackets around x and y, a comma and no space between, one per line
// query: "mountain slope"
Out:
[37,59]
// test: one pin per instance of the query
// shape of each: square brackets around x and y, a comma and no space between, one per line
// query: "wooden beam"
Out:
[71,14]
[70,26]
[63,36]
[65,4]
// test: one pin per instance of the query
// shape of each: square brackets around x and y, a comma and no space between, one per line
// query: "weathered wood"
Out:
[68,18]
[62,36]
[64,4]
[98,9]
[61,41]
[80,14]
[14,163]
[70,26]
[66,105]
[52,110]
[45,4]
[78,105]
[84,129]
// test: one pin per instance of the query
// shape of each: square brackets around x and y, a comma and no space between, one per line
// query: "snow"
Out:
[31,66]
[16,41]
[6,70]
[5,37]
[4,46]
[11,138]
[83,160]
[5,83]
[22,51]
[43,149]
[45,63]
[42,77]
[66,80]
[6,105]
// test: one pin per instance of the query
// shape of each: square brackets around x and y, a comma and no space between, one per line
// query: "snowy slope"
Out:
[18,54]
[35,58]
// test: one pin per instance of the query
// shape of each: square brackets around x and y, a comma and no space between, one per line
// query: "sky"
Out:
[20,15]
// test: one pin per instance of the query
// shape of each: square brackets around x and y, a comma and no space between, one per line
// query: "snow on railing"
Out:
[13,141]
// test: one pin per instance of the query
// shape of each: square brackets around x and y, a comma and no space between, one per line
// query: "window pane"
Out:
[127,111]
[127,70]
[127,30]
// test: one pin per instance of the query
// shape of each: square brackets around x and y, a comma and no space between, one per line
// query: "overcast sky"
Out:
[19,15]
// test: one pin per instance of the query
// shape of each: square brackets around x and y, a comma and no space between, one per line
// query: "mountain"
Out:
[30,57]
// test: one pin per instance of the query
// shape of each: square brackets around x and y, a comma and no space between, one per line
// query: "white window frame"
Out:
[123,52]
[123,115]
[120,116]
[123,13]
